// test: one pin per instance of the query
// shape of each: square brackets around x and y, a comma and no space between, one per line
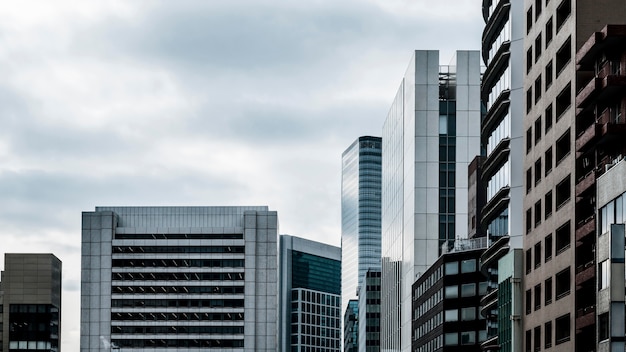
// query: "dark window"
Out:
[529,99]
[563,283]
[537,89]
[529,297]
[603,326]
[537,214]
[537,130]
[538,47]
[563,147]
[529,59]
[548,205]
[549,31]
[563,101]
[548,161]
[529,19]
[562,327]
[529,180]
[562,238]
[548,74]
[537,9]
[548,291]
[549,117]
[529,220]
[562,13]
[548,334]
[562,192]
[529,139]
[529,259]
[563,56]
[537,344]
[537,258]
[538,172]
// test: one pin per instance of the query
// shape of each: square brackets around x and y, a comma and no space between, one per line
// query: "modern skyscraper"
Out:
[431,134]
[502,134]
[351,327]
[30,297]
[360,214]
[309,296]
[369,312]
[559,207]
[168,278]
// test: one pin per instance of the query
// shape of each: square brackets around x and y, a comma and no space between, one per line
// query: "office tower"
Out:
[30,293]
[360,214]
[309,295]
[369,312]
[609,308]
[170,278]
[430,135]
[351,327]
[446,300]
[559,208]
[600,128]
[502,170]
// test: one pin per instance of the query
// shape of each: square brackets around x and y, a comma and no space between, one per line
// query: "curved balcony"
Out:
[490,344]
[495,113]
[496,158]
[488,302]
[495,205]
[491,255]
[499,15]
[496,67]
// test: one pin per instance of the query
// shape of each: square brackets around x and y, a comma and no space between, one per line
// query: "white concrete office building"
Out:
[167,278]
[430,136]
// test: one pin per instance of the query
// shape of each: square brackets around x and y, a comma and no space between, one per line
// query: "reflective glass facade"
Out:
[430,136]
[360,213]
[309,296]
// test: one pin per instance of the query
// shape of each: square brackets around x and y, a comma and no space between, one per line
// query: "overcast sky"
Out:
[242,102]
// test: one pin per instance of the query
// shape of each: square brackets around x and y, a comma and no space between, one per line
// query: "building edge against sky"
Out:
[131,253]
[309,295]
[430,136]
[360,214]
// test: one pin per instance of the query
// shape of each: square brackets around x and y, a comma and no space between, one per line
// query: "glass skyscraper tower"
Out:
[360,213]
[431,134]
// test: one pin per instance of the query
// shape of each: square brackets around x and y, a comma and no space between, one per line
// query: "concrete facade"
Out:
[179,277]
[30,293]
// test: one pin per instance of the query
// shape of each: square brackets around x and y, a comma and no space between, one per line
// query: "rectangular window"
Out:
[548,334]
[529,99]
[563,56]
[529,180]
[537,343]
[529,19]
[468,266]
[538,47]
[549,31]
[538,213]
[468,313]
[537,297]
[529,220]
[548,159]
[529,297]
[563,12]
[603,274]
[529,139]
[562,329]
[537,130]
[529,258]
[548,75]
[603,326]
[451,315]
[468,337]
[549,117]
[548,291]
[538,257]
[452,291]
[563,283]
[563,101]
[468,290]
[452,268]
[548,250]
[563,192]
[537,9]
[563,238]
[538,172]
[451,339]
[538,89]
[548,205]
[563,147]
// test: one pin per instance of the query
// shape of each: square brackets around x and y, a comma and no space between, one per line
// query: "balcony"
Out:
[491,255]
[585,228]
[585,273]
[500,13]
[586,137]
[585,184]
[489,301]
[598,41]
[600,132]
[585,317]
[600,88]
[495,159]
[496,111]
[495,205]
